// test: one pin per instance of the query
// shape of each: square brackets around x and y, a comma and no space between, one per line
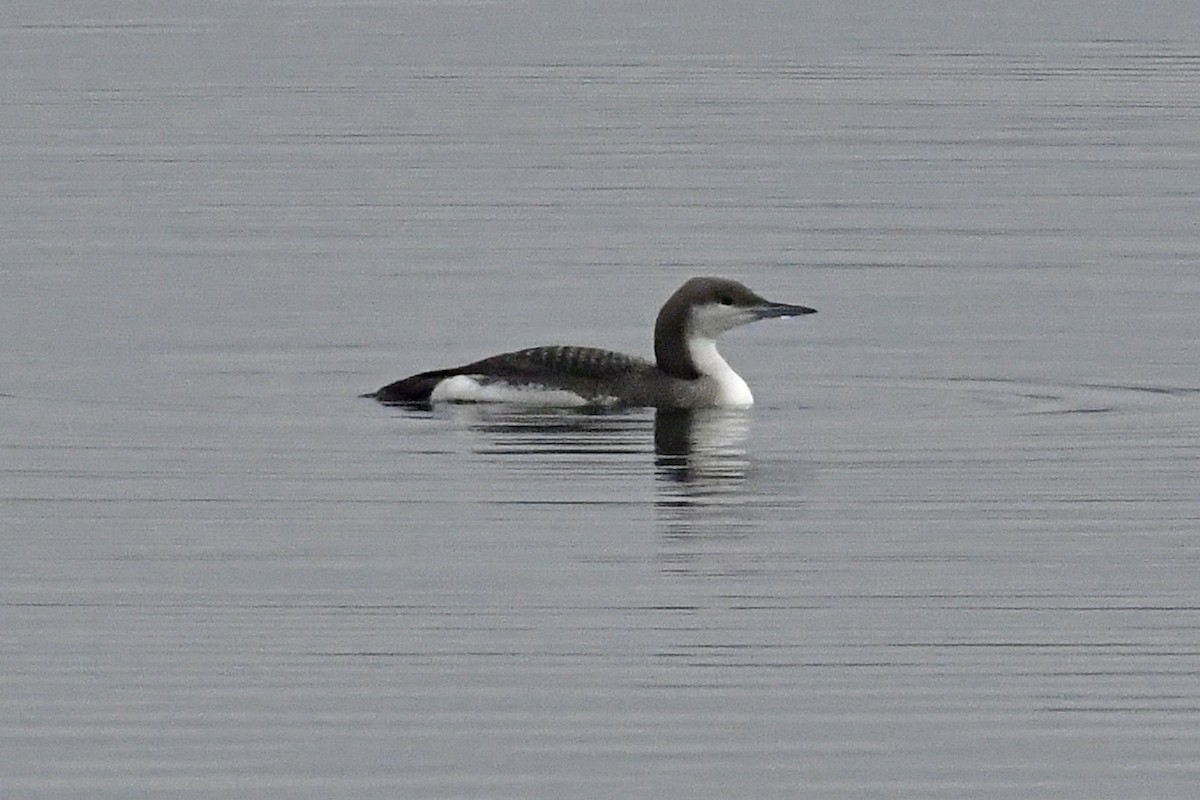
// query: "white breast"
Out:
[732,391]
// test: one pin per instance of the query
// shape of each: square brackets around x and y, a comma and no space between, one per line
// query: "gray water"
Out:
[951,552]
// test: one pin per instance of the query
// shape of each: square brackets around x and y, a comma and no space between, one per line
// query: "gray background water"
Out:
[952,552]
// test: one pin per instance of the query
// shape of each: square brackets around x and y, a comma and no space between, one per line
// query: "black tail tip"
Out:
[414,390]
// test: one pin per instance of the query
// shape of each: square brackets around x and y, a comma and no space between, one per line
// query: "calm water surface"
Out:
[952,551]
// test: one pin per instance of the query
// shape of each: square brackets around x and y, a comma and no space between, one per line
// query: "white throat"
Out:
[731,389]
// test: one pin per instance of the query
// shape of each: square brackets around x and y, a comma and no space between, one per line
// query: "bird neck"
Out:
[731,388]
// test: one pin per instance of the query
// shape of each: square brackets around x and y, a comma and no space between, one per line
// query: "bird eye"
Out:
[725,300]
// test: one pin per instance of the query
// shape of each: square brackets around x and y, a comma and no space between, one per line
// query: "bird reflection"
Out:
[697,454]
[706,448]
[701,502]
[702,506]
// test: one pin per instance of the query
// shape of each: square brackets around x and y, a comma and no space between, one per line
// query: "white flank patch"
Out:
[469,389]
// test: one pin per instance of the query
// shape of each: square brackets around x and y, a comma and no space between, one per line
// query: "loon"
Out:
[689,372]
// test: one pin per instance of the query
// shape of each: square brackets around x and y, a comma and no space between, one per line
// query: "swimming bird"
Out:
[689,372]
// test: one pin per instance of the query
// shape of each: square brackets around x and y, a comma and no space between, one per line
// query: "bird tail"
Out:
[414,389]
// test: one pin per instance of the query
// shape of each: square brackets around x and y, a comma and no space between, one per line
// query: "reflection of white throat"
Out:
[731,389]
